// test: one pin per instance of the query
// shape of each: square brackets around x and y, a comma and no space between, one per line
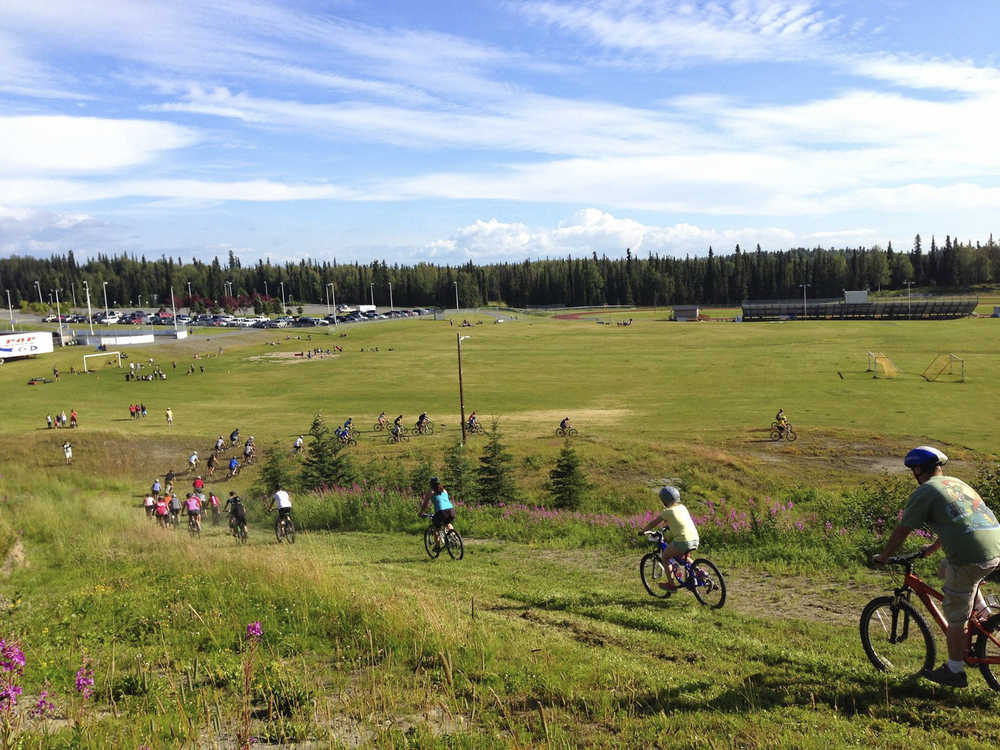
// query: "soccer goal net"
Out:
[945,365]
[881,365]
[117,355]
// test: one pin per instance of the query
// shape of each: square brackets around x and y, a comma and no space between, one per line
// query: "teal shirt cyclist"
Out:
[441,500]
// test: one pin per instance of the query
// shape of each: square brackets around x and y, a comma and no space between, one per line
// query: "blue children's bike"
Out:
[700,576]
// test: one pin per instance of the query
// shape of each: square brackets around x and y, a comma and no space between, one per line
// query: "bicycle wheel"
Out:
[709,586]
[790,434]
[241,534]
[987,648]
[377,427]
[193,529]
[433,550]
[896,637]
[453,543]
[290,531]
[775,433]
[652,572]
[560,432]
[572,432]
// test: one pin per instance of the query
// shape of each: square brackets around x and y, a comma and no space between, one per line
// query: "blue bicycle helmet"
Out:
[923,455]
[670,495]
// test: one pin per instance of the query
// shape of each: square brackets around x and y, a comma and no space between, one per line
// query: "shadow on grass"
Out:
[912,702]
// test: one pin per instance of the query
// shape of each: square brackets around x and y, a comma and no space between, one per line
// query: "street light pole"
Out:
[909,314]
[11,310]
[107,314]
[90,317]
[390,297]
[189,297]
[282,297]
[372,287]
[173,309]
[327,290]
[804,286]
[456,295]
[461,394]
[333,293]
[72,285]
[39,287]
[62,341]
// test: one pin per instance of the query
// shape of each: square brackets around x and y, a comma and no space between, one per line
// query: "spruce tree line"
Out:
[595,280]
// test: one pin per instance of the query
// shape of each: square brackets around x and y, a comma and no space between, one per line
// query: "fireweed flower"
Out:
[254,630]
[43,707]
[11,657]
[85,682]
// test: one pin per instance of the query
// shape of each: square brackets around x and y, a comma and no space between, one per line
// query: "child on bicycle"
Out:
[685,537]
[444,511]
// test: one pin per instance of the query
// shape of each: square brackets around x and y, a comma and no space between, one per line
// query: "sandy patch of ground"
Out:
[578,417]
[289,358]
[15,558]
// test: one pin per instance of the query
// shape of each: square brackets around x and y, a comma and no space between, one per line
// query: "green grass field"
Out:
[543,635]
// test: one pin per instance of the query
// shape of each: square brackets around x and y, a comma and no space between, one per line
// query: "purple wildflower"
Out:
[8,696]
[43,707]
[85,682]
[254,630]
[11,657]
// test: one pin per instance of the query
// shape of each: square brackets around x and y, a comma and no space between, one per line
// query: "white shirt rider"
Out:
[282,499]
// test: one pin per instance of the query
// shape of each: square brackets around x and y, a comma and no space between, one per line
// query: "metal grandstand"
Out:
[896,308]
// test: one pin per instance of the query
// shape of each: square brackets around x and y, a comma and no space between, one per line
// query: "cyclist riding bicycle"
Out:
[220,444]
[297,448]
[685,537]
[564,424]
[198,484]
[193,505]
[472,421]
[382,419]
[284,502]
[444,511]
[422,421]
[248,449]
[969,533]
[349,424]
[237,511]
[781,420]
[162,510]
[234,437]
[234,466]
[149,503]
[193,461]
[397,425]
[175,509]
[213,460]
[155,489]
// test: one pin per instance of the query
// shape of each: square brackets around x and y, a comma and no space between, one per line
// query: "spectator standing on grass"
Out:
[131,411]
[73,418]
[170,416]
[63,419]
[68,452]
[142,410]
[48,420]
[969,533]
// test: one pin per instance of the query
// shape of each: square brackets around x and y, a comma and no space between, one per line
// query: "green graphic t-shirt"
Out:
[968,529]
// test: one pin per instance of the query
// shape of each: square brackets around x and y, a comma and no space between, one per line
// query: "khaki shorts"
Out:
[960,585]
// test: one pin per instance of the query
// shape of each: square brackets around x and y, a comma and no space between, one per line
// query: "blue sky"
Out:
[455,131]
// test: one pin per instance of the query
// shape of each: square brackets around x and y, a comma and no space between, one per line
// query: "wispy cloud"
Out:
[676,34]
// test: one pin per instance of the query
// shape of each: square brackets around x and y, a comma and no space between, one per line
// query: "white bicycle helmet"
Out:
[670,495]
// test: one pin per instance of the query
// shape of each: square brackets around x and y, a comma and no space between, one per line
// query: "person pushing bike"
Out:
[969,533]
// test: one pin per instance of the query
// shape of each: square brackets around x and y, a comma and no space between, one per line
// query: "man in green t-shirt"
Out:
[969,533]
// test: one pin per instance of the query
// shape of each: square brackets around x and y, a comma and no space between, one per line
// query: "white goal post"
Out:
[118,355]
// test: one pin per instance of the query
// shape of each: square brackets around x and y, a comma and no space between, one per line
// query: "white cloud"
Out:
[670,34]
[63,144]
[26,192]
[946,75]
[591,230]
[27,231]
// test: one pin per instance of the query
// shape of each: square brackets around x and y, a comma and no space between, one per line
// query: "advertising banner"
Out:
[25,344]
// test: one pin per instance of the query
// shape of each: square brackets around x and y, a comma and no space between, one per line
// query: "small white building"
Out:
[687,313]
[855,298]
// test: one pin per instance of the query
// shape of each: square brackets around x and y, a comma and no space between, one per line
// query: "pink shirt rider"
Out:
[193,504]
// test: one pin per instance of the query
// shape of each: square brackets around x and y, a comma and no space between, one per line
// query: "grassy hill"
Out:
[542,636]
